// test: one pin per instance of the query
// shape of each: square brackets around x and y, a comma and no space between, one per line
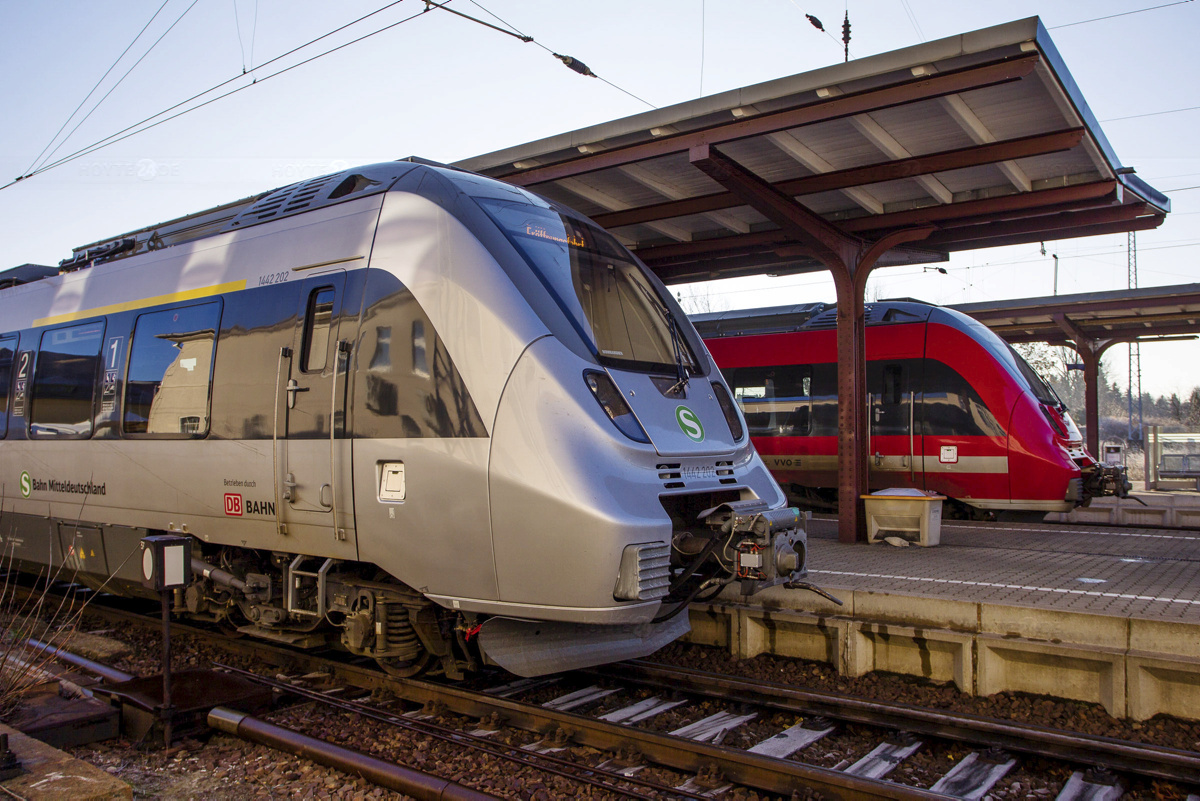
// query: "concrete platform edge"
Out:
[54,774]
[1135,668]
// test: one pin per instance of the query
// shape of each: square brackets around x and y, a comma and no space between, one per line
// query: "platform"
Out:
[1101,614]
[53,774]
[1178,508]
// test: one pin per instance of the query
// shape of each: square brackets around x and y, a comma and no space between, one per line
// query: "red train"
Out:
[952,408]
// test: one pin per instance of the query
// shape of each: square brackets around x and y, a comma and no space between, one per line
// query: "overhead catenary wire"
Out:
[123,77]
[237,24]
[1122,14]
[67,121]
[572,63]
[815,24]
[912,17]
[154,120]
[136,127]
[1151,114]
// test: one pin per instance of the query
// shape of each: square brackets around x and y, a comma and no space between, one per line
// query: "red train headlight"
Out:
[1056,421]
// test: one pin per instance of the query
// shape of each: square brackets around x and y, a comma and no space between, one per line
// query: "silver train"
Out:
[404,410]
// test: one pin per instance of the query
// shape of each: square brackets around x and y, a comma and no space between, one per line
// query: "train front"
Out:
[1047,438]
[623,484]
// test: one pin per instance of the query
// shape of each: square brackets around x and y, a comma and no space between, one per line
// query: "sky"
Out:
[445,88]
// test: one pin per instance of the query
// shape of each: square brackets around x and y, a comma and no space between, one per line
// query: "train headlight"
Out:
[610,400]
[731,415]
[1056,422]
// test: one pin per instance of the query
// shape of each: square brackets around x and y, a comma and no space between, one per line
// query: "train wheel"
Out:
[407,668]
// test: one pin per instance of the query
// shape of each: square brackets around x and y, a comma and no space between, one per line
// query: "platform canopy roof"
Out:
[1124,315]
[984,136]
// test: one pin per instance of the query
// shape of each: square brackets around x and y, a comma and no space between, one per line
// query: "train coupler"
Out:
[767,546]
[1105,480]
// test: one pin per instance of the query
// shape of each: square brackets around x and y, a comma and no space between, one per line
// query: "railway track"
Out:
[614,710]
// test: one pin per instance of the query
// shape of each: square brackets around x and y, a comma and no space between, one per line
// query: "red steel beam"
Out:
[1140,224]
[718,245]
[973,212]
[977,212]
[828,242]
[1044,332]
[1040,224]
[939,85]
[755,264]
[879,172]
[1148,304]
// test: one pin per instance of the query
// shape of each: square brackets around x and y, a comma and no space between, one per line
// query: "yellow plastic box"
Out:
[906,513]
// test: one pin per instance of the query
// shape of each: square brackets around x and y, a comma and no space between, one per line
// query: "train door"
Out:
[893,446]
[315,493]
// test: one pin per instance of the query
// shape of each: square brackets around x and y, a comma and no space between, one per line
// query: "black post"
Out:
[167,712]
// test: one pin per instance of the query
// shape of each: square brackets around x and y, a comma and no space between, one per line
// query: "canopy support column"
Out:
[850,260]
[1090,350]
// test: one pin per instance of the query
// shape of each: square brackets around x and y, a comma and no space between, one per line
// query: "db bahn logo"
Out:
[26,485]
[233,504]
[689,423]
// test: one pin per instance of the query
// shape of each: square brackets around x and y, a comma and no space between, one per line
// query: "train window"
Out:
[608,296]
[170,371]
[64,381]
[8,347]
[951,406]
[411,387]
[776,401]
[420,358]
[893,385]
[317,323]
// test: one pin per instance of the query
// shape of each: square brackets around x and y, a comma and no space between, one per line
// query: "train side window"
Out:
[893,384]
[951,406]
[170,371]
[64,382]
[776,401]
[317,321]
[8,348]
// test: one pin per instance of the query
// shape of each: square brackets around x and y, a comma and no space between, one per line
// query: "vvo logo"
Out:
[689,423]
[233,504]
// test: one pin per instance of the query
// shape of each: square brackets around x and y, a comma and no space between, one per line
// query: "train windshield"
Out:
[1040,388]
[603,290]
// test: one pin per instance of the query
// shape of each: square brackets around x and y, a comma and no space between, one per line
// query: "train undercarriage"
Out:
[312,602]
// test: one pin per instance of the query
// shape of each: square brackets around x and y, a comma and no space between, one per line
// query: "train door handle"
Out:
[325,496]
[289,482]
[878,459]
[292,388]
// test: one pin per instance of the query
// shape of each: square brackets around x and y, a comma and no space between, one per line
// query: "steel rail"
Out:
[106,672]
[1147,760]
[417,784]
[542,762]
[750,770]
[739,767]
[1136,758]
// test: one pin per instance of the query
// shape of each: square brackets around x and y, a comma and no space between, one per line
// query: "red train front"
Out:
[952,409]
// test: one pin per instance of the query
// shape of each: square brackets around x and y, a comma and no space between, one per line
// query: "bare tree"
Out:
[701,301]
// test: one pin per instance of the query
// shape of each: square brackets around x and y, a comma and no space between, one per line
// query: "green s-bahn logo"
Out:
[689,423]
[26,484]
